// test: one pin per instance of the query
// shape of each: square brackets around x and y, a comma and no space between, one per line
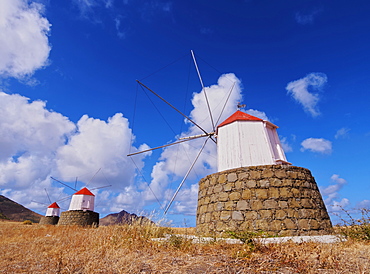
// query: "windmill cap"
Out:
[84,191]
[239,116]
[53,205]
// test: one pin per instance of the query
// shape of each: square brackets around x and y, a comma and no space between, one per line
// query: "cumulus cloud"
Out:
[331,193]
[342,133]
[24,45]
[307,18]
[303,91]
[318,145]
[286,146]
[37,143]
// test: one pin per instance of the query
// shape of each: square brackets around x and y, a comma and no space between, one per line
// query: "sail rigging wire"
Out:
[185,177]
[63,183]
[204,90]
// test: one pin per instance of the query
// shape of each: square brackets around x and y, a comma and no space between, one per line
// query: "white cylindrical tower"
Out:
[82,200]
[244,140]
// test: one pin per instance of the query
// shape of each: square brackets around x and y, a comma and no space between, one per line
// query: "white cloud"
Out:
[307,18]
[318,145]
[364,204]
[37,143]
[301,91]
[259,114]
[24,45]
[342,133]
[331,193]
[286,146]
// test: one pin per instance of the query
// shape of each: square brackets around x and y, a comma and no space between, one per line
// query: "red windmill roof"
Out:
[239,116]
[53,205]
[84,191]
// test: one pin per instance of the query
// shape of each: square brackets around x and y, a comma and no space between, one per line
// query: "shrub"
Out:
[27,222]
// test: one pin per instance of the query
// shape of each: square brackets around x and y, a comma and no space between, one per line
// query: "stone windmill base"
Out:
[79,217]
[49,220]
[276,199]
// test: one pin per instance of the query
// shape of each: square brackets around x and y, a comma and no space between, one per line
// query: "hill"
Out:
[123,217]
[11,210]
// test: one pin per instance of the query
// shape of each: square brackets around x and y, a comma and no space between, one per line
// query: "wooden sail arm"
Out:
[171,144]
[160,97]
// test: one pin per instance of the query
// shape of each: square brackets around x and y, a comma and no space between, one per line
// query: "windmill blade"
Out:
[101,187]
[39,203]
[47,194]
[185,139]
[227,99]
[203,88]
[186,176]
[63,183]
[160,97]
[93,177]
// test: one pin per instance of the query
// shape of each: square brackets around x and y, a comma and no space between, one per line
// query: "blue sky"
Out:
[70,105]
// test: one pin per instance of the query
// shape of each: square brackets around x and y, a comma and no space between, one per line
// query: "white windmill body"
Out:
[53,210]
[244,140]
[82,200]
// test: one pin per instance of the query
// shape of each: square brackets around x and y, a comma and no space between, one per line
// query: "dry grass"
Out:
[129,249]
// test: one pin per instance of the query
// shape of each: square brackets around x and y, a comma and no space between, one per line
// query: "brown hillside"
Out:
[123,217]
[13,211]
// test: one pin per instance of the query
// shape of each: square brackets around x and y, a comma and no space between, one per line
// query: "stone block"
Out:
[275,182]
[250,215]
[261,225]
[222,179]
[217,188]
[270,204]
[225,215]
[280,173]
[285,192]
[295,192]
[267,173]
[234,196]
[283,204]
[232,177]
[280,214]
[239,185]
[220,206]
[275,225]
[223,196]
[250,184]
[228,187]
[230,205]
[303,224]
[261,193]
[256,204]
[242,205]
[273,192]
[255,175]
[265,214]
[264,183]
[247,194]
[237,215]
[243,176]
[289,224]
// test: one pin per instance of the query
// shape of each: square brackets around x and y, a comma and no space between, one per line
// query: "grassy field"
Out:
[129,249]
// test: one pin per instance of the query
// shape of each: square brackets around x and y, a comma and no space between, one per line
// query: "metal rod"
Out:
[63,183]
[204,90]
[47,194]
[186,176]
[171,144]
[160,97]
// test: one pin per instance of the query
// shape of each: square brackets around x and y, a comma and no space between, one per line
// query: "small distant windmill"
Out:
[52,213]
[81,208]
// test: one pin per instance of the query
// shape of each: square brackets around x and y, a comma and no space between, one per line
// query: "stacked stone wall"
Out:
[49,220]
[277,199]
[79,217]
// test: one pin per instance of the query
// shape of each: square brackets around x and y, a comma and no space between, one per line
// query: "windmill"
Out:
[81,208]
[208,135]
[52,213]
